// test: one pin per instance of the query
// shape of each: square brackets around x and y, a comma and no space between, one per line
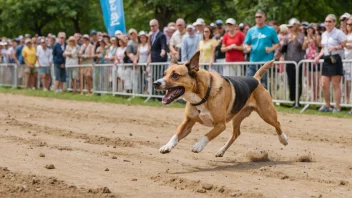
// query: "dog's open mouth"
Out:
[172,94]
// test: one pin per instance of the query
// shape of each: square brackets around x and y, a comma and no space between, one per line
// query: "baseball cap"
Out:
[345,16]
[218,22]
[28,40]
[231,21]
[118,32]
[142,33]
[85,36]
[132,30]
[93,32]
[42,40]
[199,21]
[292,22]
[190,27]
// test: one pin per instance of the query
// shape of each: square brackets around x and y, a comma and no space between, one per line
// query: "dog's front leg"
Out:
[183,130]
[199,146]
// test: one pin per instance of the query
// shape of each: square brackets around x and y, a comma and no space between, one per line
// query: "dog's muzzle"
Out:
[159,84]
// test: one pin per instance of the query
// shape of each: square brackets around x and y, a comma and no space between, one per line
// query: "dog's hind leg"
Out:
[268,113]
[183,130]
[236,124]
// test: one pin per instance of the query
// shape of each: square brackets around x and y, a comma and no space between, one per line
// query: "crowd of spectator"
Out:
[217,42]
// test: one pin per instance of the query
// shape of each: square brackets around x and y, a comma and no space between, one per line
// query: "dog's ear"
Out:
[193,64]
[173,60]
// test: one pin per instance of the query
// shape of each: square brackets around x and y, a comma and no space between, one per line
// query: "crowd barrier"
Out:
[136,80]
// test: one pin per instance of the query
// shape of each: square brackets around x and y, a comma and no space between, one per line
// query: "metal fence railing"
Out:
[287,81]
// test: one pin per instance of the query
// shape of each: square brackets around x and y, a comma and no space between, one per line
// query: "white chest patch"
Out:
[203,112]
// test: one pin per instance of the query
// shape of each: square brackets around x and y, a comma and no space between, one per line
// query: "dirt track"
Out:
[81,139]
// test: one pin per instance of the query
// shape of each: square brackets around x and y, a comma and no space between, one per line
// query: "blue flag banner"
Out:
[114,16]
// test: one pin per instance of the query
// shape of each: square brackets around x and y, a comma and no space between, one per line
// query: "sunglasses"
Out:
[152,25]
[206,31]
[328,21]
[258,17]
[349,24]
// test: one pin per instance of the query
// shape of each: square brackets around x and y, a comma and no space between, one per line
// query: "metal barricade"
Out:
[8,75]
[103,78]
[156,71]
[312,93]
[76,74]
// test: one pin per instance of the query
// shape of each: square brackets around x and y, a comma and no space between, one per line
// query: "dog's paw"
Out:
[199,146]
[220,153]
[165,149]
[283,139]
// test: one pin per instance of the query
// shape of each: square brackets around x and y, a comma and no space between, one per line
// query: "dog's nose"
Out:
[156,84]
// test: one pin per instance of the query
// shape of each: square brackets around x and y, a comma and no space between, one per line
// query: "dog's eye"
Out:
[175,76]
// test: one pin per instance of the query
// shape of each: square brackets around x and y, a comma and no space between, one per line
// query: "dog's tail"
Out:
[263,69]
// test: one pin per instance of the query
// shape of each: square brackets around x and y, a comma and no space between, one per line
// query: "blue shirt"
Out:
[58,51]
[189,46]
[19,56]
[259,39]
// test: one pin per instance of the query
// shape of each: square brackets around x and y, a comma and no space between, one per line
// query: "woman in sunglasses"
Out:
[333,42]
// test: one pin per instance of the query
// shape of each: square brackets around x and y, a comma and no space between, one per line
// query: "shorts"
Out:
[44,70]
[60,73]
[333,69]
[31,70]
[75,73]
[313,67]
[87,71]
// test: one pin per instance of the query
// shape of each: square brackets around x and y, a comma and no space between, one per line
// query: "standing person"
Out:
[142,57]
[189,44]
[218,35]
[232,44]
[207,48]
[101,51]
[158,46]
[348,56]
[176,39]
[71,54]
[262,41]
[44,56]
[311,46]
[30,58]
[333,41]
[294,53]
[131,49]
[59,63]
[110,54]
[86,55]
[21,64]
[199,26]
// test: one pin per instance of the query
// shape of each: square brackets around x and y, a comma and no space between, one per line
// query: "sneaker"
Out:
[350,112]
[336,110]
[45,89]
[33,88]
[325,109]
[57,91]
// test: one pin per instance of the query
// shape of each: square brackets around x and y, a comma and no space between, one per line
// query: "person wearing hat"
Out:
[219,33]
[261,41]
[94,40]
[101,51]
[106,38]
[110,54]
[199,26]
[44,57]
[294,52]
[189,43]
[59,62]
[86,56]
[118,33]
[343,20]
[71,55]
[176,39]
[131,49]
[333,42]
[30,58]
[232,45]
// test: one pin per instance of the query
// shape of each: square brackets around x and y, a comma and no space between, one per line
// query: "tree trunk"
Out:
[76,24]
[163,15]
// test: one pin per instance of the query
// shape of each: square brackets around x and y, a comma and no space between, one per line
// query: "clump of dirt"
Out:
[41,155]
[50,166]
[304,158]
[263,156]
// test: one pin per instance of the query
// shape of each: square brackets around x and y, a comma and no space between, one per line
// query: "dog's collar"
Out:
[207,94]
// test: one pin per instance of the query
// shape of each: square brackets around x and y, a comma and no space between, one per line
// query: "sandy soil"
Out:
[109,150]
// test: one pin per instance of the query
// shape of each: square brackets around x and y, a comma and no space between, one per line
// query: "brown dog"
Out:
[213,100]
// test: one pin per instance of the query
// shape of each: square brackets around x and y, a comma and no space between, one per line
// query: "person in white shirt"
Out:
[44,57]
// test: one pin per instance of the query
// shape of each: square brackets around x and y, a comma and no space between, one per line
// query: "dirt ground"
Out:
[109,150]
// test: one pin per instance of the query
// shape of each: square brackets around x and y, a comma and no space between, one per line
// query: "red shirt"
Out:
[234,55]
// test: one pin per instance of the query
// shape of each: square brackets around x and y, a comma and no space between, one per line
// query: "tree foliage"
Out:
[44,16]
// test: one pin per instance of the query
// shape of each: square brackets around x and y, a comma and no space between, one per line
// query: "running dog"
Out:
[214,100]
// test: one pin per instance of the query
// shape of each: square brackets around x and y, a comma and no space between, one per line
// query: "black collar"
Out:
[207,94]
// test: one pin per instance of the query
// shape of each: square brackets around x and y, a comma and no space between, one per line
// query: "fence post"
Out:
[15,76]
